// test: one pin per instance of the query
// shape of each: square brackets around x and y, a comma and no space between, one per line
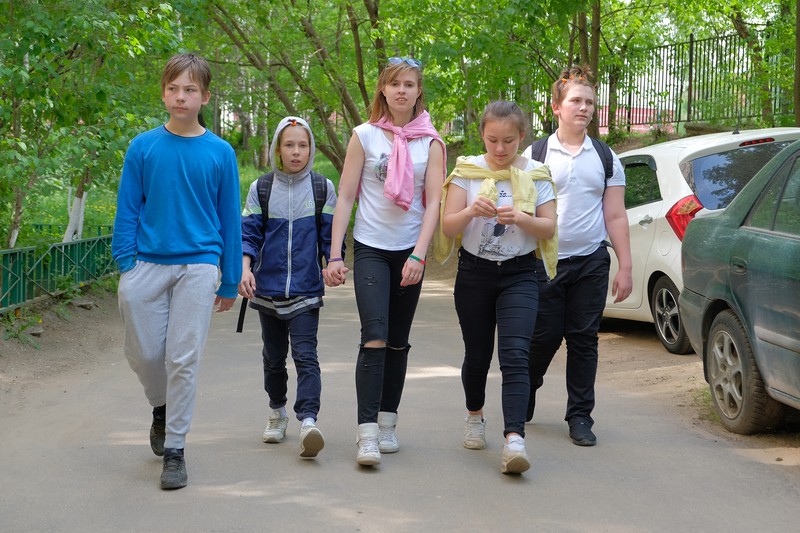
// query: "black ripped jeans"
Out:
[386,311]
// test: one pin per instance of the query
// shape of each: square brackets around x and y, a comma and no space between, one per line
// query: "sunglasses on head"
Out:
[410,61]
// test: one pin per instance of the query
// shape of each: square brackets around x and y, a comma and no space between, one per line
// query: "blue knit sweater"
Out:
[178,203]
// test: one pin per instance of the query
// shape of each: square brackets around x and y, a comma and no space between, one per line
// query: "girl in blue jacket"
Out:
[282,278]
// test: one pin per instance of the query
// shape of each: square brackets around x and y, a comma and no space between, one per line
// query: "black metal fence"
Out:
[696,81]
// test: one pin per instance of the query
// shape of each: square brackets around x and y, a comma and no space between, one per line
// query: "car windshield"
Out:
[718,178]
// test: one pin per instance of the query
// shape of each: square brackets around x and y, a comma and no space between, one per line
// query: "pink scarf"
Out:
[399,185]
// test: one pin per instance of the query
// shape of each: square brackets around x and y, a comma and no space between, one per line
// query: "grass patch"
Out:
[705,406]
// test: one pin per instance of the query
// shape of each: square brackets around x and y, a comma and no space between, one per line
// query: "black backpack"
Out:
[539,149]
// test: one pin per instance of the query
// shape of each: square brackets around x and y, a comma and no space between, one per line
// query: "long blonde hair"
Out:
[379,107]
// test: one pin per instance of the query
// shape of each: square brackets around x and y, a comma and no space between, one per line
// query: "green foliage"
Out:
[79,79]
[15,324]
[64,115]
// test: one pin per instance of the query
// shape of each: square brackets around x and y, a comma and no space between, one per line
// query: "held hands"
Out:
[223,304]
[335,274]
[412,272]
[247,287]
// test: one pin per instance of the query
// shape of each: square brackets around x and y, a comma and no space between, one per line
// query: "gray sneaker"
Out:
[276,427]
[173,476]
[475,432]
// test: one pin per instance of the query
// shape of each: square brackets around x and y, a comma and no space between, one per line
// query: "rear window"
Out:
[717,178]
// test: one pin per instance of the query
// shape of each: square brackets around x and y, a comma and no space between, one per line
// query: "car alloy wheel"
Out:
[667,317]
[737,389]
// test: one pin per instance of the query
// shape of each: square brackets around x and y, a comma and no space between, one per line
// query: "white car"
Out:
[668,184]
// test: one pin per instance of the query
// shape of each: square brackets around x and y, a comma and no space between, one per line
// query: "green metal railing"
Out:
[24,277]
[59,229]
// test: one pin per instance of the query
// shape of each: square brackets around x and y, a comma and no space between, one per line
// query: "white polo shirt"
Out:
[580,184]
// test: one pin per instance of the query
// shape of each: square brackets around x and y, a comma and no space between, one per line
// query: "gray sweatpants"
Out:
[166,311]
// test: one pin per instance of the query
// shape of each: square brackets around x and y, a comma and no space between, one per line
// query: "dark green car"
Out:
[741,297]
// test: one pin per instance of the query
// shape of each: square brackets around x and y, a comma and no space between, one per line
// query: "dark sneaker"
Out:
[581,435]
[174,474]
[158,430]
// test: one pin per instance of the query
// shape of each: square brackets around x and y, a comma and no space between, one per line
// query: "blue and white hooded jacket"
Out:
[284,253]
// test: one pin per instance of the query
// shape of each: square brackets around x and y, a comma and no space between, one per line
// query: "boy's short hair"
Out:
[196,66]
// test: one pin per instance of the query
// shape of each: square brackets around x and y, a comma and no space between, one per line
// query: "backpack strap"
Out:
[320,186]
[539,149]
[264,188]
[539,152]
[604,151]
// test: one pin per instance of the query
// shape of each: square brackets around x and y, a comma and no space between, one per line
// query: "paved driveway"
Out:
[75,457]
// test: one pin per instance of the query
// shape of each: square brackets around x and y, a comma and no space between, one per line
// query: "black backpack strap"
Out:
[264,188]
[539,149]
[604,151]
[320,186]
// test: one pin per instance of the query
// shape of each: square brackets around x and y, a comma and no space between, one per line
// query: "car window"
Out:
[641,183]
[787,219]
[778,207]
[717,178]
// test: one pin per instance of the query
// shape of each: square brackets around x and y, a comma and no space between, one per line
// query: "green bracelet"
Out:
[417,259]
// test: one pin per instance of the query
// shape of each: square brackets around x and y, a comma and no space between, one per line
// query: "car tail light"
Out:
[682,213]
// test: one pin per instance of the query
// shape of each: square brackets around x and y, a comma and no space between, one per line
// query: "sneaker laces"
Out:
[274,423]
[386,433]
[475,429]
[172,463]
[368,446]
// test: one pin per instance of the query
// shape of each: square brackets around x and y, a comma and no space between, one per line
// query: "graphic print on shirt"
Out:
[382,167]
[491,235]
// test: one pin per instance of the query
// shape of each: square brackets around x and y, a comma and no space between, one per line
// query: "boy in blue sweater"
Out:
[283,248]
[177,228]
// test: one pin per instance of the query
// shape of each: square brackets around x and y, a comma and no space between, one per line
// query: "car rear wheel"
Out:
[667,317]
[737,389]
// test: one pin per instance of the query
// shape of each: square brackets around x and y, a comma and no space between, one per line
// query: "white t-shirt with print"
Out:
[380,223]
[483,236]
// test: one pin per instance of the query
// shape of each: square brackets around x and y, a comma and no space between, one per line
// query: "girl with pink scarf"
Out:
[395,166]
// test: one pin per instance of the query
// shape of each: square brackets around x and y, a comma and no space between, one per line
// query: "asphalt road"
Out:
[76,457]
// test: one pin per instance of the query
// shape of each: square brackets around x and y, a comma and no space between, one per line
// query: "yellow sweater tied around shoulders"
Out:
[524,193]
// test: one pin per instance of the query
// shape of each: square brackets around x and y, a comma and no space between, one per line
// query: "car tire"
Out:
[737,389]
[667,317]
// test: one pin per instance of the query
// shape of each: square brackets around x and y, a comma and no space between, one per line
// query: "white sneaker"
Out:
[311,441]
[475,432]
[276,427]
[368,452]
[387,438]
[515,458]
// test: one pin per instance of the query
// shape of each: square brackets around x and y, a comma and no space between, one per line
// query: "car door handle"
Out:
[738,265]
[646,220]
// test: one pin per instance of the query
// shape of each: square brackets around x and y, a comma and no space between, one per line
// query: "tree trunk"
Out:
[19,208]
[74,229]
[796,97]
[759,68]
[583,40]
[594,63]
[613,82]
